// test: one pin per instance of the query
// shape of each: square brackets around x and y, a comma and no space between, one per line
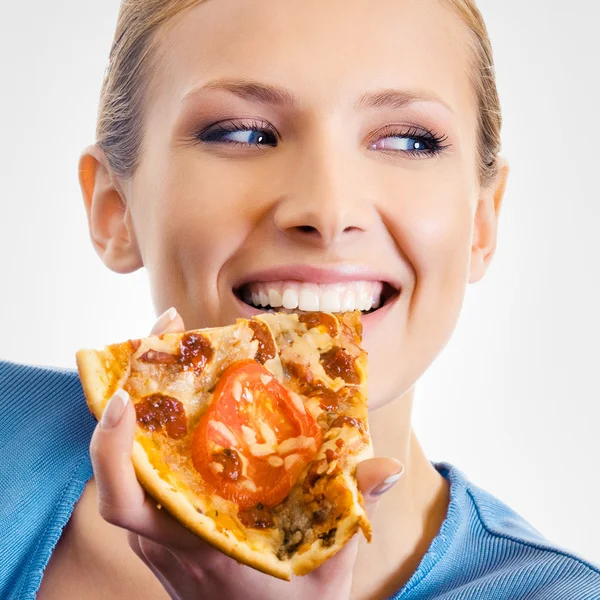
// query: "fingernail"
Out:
[387,483]
[165,319]
[114,409]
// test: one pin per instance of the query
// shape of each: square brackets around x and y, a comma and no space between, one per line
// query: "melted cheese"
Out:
[274,366]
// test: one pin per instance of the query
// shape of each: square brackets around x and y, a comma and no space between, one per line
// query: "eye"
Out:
[246,134]
[406,144]
[413,142]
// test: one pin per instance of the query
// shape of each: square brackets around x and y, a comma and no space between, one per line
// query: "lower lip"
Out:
[368,321]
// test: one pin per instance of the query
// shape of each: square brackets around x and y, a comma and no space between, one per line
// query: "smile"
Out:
[300,287]
[365,296]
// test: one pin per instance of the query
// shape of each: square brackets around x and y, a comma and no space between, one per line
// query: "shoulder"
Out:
[512,553]
[45,430]
[34,382]
[42,407]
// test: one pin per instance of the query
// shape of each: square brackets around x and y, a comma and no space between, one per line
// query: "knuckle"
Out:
[114,515]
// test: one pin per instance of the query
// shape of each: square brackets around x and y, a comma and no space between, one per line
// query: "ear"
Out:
[485,231]
[109,218]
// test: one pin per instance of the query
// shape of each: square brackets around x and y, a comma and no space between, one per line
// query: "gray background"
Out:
[514,400]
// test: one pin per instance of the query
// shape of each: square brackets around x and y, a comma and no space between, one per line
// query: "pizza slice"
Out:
[249,434]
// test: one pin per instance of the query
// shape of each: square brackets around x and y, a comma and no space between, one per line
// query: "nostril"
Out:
[306,229]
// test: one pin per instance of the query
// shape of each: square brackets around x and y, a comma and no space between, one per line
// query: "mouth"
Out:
[291,295]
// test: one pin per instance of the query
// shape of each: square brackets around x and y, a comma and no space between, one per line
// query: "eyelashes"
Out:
[408,140]
[413,140]
[237,132]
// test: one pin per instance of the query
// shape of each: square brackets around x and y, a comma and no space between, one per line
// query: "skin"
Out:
[199,216]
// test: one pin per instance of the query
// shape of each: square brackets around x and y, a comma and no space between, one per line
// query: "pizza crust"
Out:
[98,384]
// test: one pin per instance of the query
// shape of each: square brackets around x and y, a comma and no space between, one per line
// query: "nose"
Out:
[325,203]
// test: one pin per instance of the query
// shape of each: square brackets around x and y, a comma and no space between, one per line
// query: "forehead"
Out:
[326,53]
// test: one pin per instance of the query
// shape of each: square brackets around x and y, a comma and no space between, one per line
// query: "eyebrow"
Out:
[280,97]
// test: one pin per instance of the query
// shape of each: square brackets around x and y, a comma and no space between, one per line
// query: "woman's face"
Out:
[306,141]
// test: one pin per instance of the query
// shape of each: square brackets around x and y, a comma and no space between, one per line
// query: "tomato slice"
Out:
[254,440]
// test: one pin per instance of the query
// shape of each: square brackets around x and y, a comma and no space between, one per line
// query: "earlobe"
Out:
[109,220]
[485,229]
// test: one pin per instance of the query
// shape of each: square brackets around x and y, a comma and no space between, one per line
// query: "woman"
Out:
[243,143]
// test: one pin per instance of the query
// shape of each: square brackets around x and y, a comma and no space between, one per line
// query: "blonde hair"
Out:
[120,128]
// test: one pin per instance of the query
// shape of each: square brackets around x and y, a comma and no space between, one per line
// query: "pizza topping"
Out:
[321,515]
[249,435]
[350,421]
[162,358]
[297,402]
[331,455]
[256,517]
[338,363]
[328,399]
[249,485]
[261,449]
[265,426]
[352,326]
[231,462]
[328,537]
[315,409]
[216,467]
[226,435]
[288,461]
[303,376]
[266,345]
[313,474]
[316,319]
[158,412]
[237,390]
[195,351]
[296,443]
[275,461]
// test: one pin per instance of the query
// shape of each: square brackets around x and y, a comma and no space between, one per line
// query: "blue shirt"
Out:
[483,551]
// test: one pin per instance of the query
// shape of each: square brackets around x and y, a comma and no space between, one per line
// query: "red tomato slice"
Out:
[250,403]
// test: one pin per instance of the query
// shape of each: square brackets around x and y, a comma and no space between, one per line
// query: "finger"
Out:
[121,499]
[375,477]
[145,555]
[169,322]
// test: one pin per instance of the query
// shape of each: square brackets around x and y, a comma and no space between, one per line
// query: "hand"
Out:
[187,566]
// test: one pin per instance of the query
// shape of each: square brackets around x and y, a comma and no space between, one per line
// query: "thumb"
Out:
[375,477]
[169,322]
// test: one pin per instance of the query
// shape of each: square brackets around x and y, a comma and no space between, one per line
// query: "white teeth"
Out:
[309,297]
[328,297]
[348,301]
[365,300]
[275,299]
[264,299]
[331,301]
[290,295]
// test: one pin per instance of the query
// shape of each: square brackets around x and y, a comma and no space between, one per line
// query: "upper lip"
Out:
[312,274]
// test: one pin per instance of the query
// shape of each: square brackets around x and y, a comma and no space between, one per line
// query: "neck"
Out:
[408,516]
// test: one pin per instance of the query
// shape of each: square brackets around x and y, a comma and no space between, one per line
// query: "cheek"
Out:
[431,222]
[191,218]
